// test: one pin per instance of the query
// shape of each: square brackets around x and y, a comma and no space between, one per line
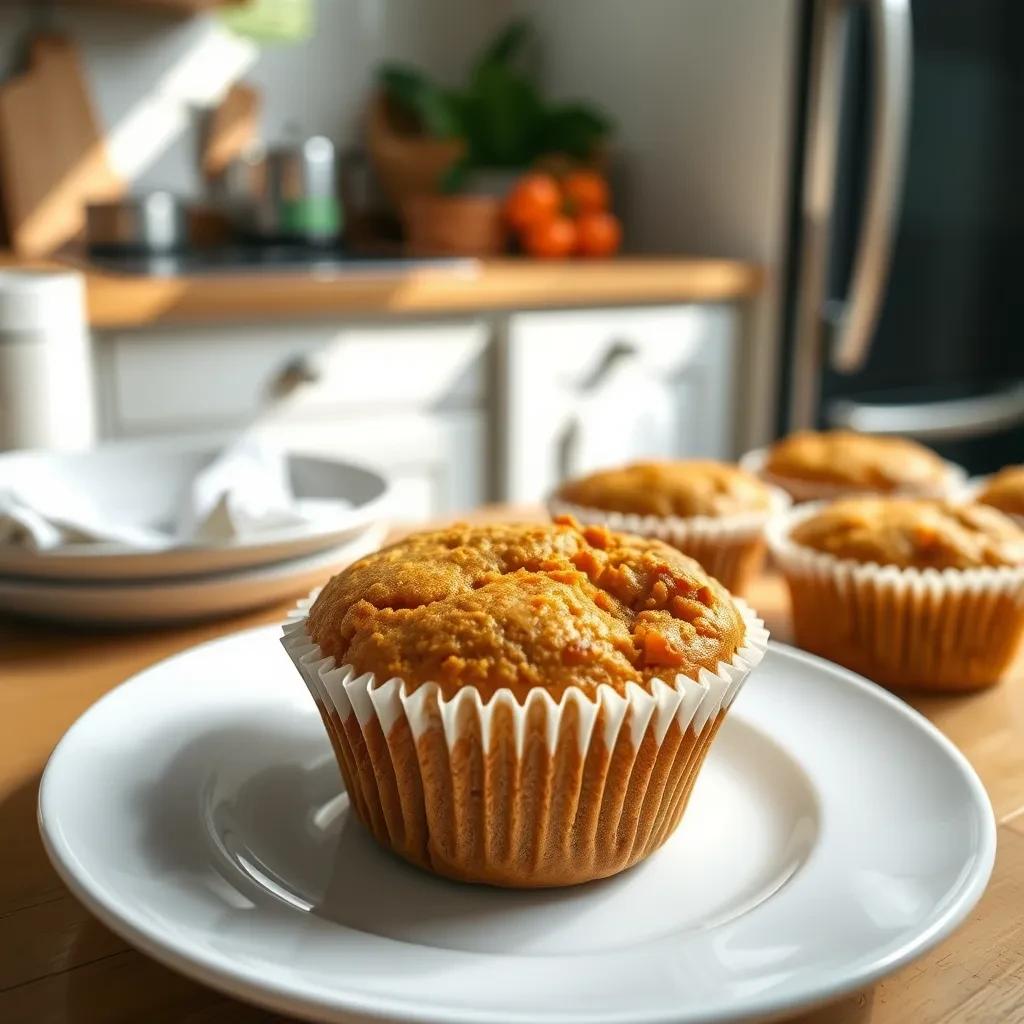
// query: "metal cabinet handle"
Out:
[618,352]
[301,370]
[893,54]
[955,419]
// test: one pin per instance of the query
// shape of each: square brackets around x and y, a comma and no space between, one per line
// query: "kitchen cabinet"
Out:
[599,387]
[408,399]
[173,378]
[457,412]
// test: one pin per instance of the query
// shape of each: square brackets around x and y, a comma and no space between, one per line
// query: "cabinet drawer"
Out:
[212,376]
[600,387]
[437,462]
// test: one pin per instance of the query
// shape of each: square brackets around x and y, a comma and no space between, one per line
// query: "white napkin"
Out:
[243,492]
[44,512]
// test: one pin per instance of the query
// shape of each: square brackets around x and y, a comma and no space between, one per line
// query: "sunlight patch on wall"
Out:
[202,75]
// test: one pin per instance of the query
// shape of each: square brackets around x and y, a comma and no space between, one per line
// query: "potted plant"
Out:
[463,147]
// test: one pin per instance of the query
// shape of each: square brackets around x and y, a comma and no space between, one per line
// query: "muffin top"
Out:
[520,606]
[913,533]
[692,488]
[862,461]
[1005,491]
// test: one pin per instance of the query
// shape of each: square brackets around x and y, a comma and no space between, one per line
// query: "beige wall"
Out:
[150,74]
[702,94]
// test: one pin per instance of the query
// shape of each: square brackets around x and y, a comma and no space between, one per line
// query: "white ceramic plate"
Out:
[143,483]
[833,836]
[182,598]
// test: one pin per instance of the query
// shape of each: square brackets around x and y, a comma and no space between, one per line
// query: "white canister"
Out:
[46,379]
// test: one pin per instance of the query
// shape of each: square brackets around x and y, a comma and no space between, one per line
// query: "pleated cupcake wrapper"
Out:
[974,486]
[519,794]
[949,629]
[728,547]
[810,490]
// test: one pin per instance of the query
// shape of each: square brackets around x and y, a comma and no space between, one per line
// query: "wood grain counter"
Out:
[58,964]
[122,301]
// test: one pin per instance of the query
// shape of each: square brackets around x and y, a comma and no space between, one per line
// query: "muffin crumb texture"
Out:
[911,533]
[1005,491]
[683,488]
[524,606]
[845,458]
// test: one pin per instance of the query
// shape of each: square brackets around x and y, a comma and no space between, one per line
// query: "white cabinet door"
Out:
[436,463]
[408,398]
[595,388]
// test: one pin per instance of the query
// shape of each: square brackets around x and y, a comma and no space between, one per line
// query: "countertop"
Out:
[123,301]
[58,964]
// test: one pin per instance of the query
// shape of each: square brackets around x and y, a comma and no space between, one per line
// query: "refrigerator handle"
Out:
[820,150]
[892,58]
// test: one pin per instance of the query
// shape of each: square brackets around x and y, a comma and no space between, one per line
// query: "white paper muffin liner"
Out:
[535,794]
[810,490]
[942,630]
[730,548]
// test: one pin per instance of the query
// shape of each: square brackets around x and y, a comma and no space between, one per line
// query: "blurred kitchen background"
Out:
[817,203]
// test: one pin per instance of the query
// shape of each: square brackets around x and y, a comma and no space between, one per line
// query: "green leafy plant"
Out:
[500,113]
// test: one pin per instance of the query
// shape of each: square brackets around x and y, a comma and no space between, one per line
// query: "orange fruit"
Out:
[586,191]
[534,198]
[598,234]
[551,239]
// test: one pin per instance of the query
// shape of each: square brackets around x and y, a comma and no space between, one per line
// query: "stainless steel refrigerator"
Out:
[904,305]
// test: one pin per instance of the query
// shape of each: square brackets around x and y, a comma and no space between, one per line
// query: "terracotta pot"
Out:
[406,163]
[460,225]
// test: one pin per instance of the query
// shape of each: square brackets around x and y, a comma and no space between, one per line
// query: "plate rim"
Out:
[227,976]
[76,561]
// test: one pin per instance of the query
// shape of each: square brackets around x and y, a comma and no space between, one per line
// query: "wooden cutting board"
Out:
[53,158]
[234,125]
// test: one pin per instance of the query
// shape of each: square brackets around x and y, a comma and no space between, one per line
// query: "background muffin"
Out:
[812,465]
[1005,491]
[910,592]
[523,705]
[712,511]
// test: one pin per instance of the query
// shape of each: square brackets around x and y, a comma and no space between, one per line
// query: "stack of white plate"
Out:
[143,484]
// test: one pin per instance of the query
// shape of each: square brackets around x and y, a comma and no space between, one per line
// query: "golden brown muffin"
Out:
[683,488]
[859,596]
[858,462]
[524,606]
[913,534]
[1005,491]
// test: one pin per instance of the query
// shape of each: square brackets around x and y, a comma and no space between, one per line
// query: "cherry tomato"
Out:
[586,191]
[598,234]
[553,239]
[535,198]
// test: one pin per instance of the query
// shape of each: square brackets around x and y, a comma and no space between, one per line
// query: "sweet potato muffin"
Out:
[910,592]
[913,534]
[1005,491]
[812,465]
[526,606]
[712,511]
[524,705]
[700,487]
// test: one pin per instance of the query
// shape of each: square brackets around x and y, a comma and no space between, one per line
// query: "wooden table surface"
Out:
[58,964]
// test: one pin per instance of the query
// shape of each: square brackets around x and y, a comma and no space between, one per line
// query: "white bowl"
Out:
[145,482]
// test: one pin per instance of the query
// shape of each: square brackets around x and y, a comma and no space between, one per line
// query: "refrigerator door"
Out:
[903,313]
[851,321]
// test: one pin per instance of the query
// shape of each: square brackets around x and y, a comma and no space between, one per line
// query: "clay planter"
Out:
[407,163]
[458,225]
